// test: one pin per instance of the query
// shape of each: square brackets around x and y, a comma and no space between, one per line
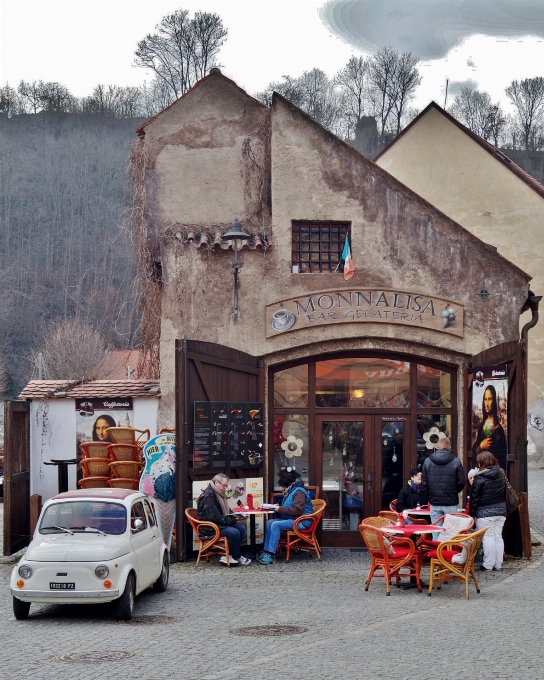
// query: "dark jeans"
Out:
[235,534]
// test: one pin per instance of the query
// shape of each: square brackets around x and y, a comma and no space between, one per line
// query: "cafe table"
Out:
[408,530]
[252,514]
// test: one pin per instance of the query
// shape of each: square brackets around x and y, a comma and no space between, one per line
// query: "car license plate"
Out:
[62,586]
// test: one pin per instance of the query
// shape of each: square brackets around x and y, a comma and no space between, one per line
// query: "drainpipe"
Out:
[532,304]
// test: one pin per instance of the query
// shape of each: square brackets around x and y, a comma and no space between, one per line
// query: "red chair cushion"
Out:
[428,542]
[446,554]
[400,552]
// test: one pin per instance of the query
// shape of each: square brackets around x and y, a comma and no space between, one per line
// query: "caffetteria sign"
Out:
[364,306]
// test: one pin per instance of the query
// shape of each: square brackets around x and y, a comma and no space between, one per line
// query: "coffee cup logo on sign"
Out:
[283,320]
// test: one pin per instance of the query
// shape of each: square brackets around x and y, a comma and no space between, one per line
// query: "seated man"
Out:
[411,495]
[296,502]
[212,506]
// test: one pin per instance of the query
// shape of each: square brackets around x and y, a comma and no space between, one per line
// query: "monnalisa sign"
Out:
[364,306]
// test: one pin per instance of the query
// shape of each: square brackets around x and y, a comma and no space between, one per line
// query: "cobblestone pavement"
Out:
[350,634]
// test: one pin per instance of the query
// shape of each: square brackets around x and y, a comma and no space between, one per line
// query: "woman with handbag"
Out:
[488,506]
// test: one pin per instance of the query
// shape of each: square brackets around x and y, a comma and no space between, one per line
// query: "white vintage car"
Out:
[92,545]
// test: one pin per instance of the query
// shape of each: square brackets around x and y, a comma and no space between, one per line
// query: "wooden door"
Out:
[207,372]
[16,476]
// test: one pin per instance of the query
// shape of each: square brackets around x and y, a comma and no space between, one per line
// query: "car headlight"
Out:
[25,571]
[101,571]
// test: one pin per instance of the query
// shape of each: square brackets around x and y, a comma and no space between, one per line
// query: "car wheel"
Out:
[20,609]
[161,584]
[125,604]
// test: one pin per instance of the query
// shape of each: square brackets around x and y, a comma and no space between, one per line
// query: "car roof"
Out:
[102,494]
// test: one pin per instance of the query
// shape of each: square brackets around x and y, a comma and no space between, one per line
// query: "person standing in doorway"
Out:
[442,478]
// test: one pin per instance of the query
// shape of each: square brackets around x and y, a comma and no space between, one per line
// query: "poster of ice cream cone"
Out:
[159,480]
[236,495]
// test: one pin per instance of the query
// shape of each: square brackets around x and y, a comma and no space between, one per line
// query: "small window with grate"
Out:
[317,246]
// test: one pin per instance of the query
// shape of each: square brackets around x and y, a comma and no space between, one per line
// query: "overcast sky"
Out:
[81,43]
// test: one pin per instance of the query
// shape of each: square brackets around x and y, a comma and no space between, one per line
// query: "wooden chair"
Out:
[209,545]
[442,567]
[94,449]
[95,467]
[298,537]
[428,545]
[126,468]
[130,452]
[124,483]
[93,482]
[390,554]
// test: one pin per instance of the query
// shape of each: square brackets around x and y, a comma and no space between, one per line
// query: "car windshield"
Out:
[84,516]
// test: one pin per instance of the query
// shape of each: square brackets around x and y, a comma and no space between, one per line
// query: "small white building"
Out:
[62,415]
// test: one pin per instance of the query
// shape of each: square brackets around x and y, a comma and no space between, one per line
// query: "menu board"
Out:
[202,435]
[220,433]
[228,435]
[255,434]
[237,435]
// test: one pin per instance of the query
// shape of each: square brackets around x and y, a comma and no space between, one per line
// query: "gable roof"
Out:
[95,389]
[213,72]
[498,154]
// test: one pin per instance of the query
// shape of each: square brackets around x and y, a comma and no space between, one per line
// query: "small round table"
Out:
[62,468]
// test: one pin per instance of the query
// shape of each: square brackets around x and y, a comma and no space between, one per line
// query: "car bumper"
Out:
[44,595]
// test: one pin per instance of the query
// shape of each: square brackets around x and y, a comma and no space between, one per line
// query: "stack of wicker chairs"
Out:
[126,456]
[95,465]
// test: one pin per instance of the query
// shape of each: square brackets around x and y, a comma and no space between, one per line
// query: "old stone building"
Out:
[352,374]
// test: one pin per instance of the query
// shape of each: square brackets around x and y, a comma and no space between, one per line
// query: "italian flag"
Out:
[349,268]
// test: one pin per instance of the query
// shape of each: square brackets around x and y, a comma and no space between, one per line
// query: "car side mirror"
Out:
[138,524]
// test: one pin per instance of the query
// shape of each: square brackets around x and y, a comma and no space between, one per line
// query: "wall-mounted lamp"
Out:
[236,234]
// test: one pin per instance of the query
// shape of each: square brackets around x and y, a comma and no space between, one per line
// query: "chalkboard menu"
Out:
[202,435]
[255,435]
[220,434]
[228,435]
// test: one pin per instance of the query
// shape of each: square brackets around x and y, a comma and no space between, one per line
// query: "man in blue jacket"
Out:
[442,479]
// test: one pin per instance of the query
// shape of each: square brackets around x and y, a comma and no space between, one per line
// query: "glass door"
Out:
[344,475]
[392,459]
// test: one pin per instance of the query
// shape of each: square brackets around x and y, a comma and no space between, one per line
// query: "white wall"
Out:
[56,439]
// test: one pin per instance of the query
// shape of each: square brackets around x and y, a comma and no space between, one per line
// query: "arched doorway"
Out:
[355,425]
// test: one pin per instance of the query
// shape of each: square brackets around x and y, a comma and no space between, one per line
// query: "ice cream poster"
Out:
[159,480]
[490,412]
[236,495]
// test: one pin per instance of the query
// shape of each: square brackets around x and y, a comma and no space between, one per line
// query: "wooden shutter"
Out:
[207,372]
[16,476]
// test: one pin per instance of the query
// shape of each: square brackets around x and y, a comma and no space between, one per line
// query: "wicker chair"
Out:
[378,522]
[126,468]
[298,538]
[428,545]
[124,483]
[94,449]
[209,545]
[94,482]
[390,554]
[165,430]
[128,435]
[129,452]
[393,505]
[95,467]
[441,560]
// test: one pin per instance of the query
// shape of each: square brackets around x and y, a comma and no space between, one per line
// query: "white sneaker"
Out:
[244,561]
[223,560]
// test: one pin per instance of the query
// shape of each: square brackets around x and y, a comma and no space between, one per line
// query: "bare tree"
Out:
[313,92]
[51,96]
[71,349]
[353,83]
[112,100]
[475,110]
[394,79]
[527,96]
[10,102]
[182,50]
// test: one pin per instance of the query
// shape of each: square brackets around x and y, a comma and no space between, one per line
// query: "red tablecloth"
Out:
[410,529]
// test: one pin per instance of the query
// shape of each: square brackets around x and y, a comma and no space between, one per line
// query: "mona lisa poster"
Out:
[490,412]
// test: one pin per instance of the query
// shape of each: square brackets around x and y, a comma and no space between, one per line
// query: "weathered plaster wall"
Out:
[444,165]
[398,240]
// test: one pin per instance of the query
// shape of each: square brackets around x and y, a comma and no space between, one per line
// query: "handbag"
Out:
[512,499]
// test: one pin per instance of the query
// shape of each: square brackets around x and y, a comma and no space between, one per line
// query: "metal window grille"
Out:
[317,246]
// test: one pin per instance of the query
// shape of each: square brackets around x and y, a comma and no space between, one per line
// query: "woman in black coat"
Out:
[411,495]
[488,506]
